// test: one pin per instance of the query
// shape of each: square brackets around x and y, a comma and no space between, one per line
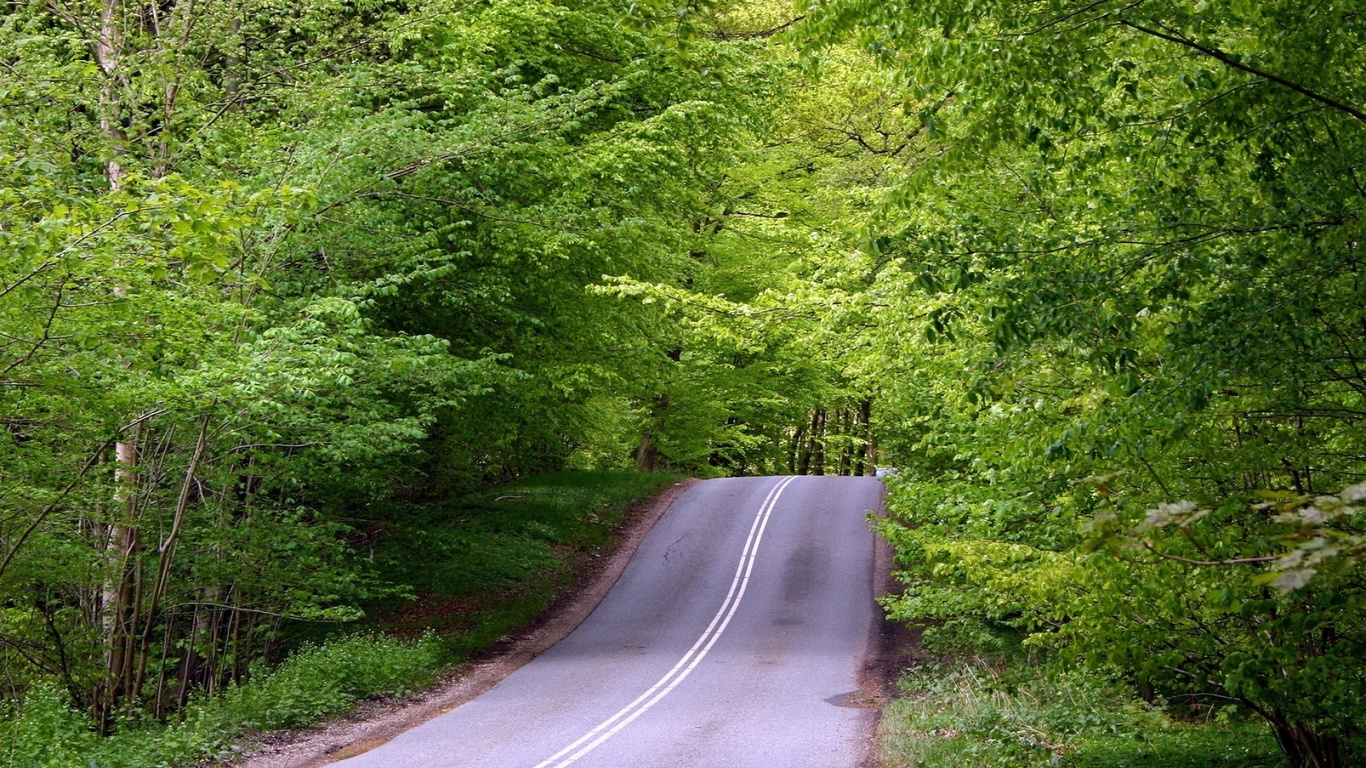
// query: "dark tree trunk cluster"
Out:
[831,442]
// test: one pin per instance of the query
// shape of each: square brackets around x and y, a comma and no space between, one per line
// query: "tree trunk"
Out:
[232,80]
[118,595]
[159,708]
[108,55]
[869,462]
[196,667]
[846,429]
[811,460]
[818,421]
[804,449]
[647,455]
[1303,747]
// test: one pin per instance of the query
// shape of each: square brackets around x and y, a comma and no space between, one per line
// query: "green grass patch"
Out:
[317,681]
[1014,715]
[481,566]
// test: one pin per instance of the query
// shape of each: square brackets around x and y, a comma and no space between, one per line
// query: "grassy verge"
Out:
[476,568]
[484,565]
[317,681]
[1012,714]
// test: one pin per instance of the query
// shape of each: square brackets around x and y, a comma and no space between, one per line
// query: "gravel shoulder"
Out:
[892,648]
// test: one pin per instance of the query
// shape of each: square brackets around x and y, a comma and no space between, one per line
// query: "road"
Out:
[734,638]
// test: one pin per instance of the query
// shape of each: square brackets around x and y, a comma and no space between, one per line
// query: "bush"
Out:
[1014,715]
[323,680]
[316,682]
[45,732]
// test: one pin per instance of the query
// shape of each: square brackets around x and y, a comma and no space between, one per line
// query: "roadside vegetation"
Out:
[1017,713]
[482,566]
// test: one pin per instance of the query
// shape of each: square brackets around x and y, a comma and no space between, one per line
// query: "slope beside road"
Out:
[735,637]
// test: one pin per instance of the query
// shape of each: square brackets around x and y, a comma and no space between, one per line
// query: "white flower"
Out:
[1165,514]
[1353,493]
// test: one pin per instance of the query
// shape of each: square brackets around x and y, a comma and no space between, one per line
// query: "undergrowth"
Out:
[314,683]
[1013,714]
[475,568]
[481,566]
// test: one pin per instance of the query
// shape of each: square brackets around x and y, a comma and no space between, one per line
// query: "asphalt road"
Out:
[734,638]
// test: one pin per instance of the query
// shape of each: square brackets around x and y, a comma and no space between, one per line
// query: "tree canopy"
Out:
[1128,328]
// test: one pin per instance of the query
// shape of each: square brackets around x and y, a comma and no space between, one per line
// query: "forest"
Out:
[1086,272]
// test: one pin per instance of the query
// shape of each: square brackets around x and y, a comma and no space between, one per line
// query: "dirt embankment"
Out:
[892,648]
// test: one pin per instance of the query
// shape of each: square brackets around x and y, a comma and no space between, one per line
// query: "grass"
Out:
[484,565]
[317,681]
[476,568]
[972,713]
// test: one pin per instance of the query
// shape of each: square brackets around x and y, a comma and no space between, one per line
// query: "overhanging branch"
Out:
[1218,55]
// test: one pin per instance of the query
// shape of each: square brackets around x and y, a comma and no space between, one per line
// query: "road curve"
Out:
[734,638]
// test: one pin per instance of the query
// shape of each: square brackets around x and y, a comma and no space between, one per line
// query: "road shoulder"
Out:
[892,647]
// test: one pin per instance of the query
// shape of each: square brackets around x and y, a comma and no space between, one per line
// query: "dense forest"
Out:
[1086,272]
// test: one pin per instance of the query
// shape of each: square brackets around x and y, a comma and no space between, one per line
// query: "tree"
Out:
[265,266]
[1127,279]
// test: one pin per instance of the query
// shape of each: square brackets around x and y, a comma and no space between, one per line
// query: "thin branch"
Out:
[1065,17]
[41,268]
[723,35]
[167,549]
[1156,476]
[451,203]
[1148,545]
[47,333]
[778,215]
[225,607]
[289,446]
[140,419]
[1219,55]
[47,510]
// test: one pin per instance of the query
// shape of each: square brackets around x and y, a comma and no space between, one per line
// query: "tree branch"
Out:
[723,35]
[1219,55]
[1148,545]
[42,515]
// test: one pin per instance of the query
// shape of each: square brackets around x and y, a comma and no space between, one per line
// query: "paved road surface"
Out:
[730,641]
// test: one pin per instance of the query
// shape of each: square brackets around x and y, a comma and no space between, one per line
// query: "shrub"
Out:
[1014,715]
[316,682]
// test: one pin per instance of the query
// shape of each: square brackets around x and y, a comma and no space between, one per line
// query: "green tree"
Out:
[265,265]
[1128,278]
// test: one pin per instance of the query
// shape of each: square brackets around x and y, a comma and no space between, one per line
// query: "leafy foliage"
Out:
[267,269]
[315,682]
[1089,273]
[1128,276]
